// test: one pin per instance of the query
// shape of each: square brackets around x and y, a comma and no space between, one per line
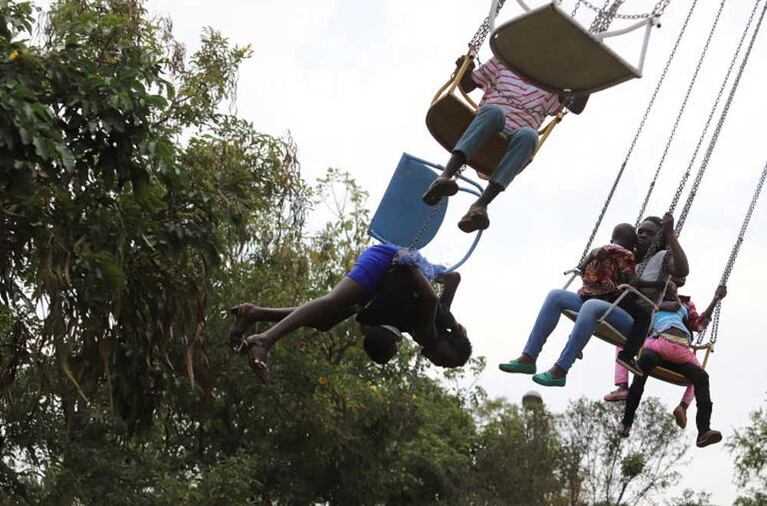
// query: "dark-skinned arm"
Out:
[575,105]
[721,293]
[450,281]
[678,265]
[467,81]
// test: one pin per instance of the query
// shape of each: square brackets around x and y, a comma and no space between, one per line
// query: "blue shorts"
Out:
[372,265]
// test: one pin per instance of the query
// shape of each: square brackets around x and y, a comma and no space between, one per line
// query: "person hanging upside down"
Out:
[670,342]
[392,284]
[510,105]
[695,322]
[603,270]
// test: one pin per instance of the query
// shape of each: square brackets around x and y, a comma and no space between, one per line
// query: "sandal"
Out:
[257,351]
[241,325]
[475,219]
[439,188]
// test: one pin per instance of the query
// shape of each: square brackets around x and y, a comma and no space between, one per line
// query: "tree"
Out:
[749,446]
[600,467]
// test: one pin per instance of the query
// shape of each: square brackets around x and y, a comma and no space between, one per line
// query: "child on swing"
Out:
[695,322]
[670,342]
[510,105]
[393,285]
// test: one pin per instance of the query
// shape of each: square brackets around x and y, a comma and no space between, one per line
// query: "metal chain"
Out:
[425,226]
[680,113]
[605,16]
[733,256]
[414,373]
[575,9]
[723,116]
[743,228]
[686,176]
[638,132]
[483,31]
[657,11]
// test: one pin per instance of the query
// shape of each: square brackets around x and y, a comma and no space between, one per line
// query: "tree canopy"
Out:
[135,206]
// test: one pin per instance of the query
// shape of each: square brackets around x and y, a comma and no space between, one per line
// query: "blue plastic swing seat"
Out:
[401,213]
[403,219]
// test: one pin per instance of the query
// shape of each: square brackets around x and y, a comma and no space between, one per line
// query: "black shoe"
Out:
[628,361]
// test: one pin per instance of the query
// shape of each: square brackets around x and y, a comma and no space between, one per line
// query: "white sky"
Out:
[352,80]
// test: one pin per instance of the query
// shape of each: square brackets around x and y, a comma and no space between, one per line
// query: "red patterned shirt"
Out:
[695,322]
[525,105]
[601,276]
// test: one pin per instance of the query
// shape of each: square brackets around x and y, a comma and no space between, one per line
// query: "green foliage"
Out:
[133,210]
[749,445]
[601,466]
[691,498]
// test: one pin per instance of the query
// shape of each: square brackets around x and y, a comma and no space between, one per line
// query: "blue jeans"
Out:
[520,148]
[589,313]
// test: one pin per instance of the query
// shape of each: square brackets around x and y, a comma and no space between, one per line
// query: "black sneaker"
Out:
[629,363]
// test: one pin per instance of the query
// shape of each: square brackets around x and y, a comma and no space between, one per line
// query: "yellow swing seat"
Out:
[547,47]
[610,334]
[449,116]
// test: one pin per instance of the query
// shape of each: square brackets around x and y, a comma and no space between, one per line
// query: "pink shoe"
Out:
[617,395]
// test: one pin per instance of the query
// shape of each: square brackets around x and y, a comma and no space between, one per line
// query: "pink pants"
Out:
[673,352]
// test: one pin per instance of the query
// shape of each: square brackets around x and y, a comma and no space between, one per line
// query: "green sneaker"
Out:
[516,366]
[547,380]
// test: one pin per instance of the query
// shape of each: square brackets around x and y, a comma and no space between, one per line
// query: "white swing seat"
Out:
[547,47]
[610,334]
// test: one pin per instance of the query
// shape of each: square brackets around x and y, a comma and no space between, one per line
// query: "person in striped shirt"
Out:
[510,105]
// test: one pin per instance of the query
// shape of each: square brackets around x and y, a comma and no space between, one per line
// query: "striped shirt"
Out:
[524,104]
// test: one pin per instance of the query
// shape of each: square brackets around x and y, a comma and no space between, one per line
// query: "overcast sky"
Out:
[352,80]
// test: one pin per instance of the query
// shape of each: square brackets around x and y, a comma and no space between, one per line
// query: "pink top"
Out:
[526,106]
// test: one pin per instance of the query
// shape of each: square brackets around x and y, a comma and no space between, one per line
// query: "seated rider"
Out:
[510,105]
[695,322]
[670,343]
[407,303]
[659,255]
[611,265]
[604,269]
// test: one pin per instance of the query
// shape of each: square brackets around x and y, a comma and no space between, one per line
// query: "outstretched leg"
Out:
[548,317]
[489,121]
[335,305]
[520,149]
[248,314]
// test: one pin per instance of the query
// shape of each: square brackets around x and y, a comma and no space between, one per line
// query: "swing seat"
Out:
[402,214]
[447,120]
[547,47]
[610,334]
[403,219]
